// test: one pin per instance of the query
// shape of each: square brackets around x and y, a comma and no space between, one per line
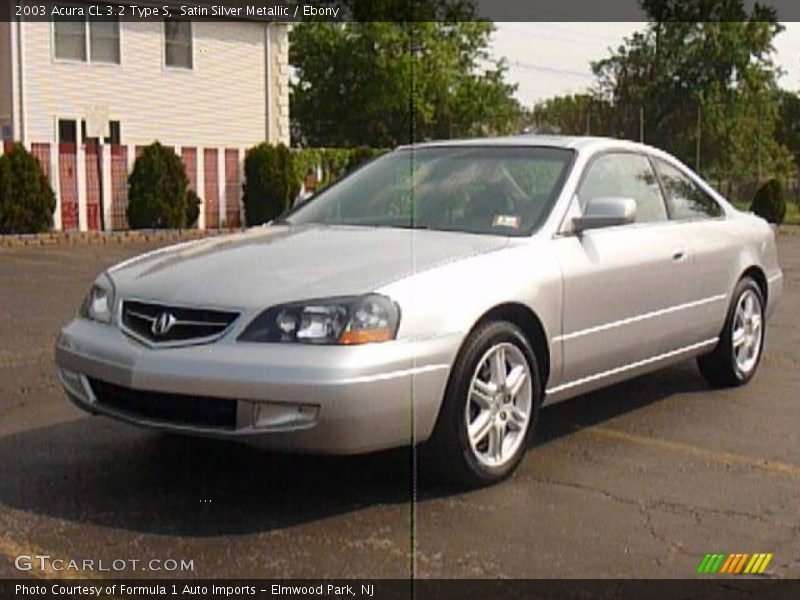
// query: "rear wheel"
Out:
[490,407]
[735,359]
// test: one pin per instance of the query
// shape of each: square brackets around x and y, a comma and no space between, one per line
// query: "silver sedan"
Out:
[439,295]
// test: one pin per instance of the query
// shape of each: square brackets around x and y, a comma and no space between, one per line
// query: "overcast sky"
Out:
[548,59]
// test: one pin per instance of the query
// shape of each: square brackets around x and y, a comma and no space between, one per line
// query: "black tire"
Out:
[719,366]
[449,446]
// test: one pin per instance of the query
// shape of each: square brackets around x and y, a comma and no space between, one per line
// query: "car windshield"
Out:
[486,190]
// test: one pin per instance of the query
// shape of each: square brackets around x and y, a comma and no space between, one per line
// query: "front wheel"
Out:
[735,359]
[490,406]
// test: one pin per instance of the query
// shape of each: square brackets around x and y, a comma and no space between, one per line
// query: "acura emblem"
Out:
[163,324]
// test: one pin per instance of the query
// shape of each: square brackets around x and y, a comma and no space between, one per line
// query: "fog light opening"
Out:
[76,384]
[267,415]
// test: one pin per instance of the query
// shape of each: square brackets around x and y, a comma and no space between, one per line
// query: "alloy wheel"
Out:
[499,406]
[747,335]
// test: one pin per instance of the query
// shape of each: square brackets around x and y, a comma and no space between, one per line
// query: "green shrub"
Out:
[305,159]
[26,200]
[770,202]
[158,187]
[271,182]
[193,203]
[334,162]
[358,156]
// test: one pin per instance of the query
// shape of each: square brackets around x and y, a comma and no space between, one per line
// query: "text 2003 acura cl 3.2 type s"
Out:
[440,294]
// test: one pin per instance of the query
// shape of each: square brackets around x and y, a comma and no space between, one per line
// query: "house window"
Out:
[70,39]
[67,131]
[104,40]
[77,39]
[114,134]
[178,43]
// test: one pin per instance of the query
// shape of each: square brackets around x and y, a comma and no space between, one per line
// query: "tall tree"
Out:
[700,81]
[385,83]
[578,114]
[788,128]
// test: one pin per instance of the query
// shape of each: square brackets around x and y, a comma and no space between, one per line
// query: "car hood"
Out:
[266,265]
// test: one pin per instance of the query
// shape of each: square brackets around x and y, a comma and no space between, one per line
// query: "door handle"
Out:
[678,254]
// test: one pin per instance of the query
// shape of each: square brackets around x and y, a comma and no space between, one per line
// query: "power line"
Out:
[573,36]
[553,70]
[549,36]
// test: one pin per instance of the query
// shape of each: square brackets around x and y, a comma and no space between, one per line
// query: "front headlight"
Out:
[99,302]
[344,321]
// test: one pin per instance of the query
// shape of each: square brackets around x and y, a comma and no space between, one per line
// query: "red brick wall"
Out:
[189,157]
[233,212]
[119,187]
[212,188]
[68,176]
[93,159]
[42,154]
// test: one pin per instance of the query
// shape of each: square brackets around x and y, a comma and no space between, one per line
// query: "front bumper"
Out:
[322,399]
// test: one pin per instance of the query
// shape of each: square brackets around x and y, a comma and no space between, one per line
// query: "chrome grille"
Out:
[163,324]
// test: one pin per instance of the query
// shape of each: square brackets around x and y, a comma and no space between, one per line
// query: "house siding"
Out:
[234,97]
[5,79]
[279,84]
[222,101]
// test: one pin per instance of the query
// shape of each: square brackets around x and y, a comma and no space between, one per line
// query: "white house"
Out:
[209,89]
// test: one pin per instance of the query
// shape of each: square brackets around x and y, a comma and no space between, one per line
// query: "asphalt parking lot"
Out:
[639,480]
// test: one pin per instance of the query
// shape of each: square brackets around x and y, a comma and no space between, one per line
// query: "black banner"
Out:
[222,589]
[364,10]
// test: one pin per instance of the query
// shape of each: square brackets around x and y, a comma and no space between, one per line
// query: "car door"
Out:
[713,244]
[624,286]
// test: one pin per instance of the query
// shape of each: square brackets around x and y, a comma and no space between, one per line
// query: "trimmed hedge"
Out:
[26,200]
[157,196]
[331,161]
[193,202]
[274,175]
[770,202]
[271,183]
[362,154]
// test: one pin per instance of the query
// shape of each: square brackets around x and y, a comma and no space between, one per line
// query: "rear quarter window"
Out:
[686,199]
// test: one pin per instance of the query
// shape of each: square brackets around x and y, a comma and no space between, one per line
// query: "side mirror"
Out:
[605,212]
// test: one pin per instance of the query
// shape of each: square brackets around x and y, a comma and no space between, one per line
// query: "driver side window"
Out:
[625,175]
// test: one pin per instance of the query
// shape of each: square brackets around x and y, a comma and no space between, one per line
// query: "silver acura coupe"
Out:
[439,295]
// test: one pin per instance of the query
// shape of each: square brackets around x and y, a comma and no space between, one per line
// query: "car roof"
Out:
[549,141]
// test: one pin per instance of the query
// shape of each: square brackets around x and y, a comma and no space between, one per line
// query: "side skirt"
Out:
[629,371]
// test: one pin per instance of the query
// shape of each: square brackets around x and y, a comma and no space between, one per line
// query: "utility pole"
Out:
[697,142]
[641,124]
[588,121]
[758,140]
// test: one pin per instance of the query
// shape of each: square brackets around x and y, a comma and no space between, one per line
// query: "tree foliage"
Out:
[158,189]
[579,114]
[27,201]
[385,83]
[788,126]
[703,76]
